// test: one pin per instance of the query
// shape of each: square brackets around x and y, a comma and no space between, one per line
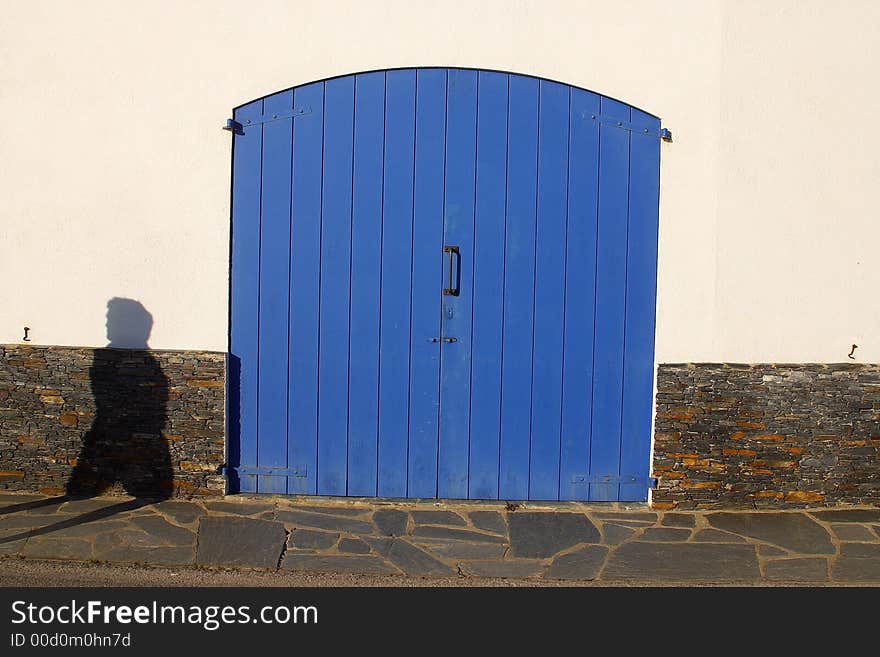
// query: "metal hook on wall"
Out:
[26,338]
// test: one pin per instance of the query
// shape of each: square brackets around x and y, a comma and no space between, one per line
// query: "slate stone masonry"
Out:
[606,543]
[47,407]
[767,435]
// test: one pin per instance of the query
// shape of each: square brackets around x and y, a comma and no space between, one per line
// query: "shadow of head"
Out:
[128,324]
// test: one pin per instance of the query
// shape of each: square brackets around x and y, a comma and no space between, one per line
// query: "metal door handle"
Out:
[443,339]
[454,272]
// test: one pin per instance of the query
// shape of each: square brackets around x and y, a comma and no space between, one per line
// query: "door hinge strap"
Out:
[238,126]
[657,133]
[300,471]
[642,480]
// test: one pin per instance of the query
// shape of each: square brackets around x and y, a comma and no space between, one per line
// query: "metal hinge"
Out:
[648,482]
[234,127]
[296,471]
[629,126]
[238,127]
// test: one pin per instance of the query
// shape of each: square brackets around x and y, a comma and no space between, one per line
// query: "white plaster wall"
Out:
[114,173]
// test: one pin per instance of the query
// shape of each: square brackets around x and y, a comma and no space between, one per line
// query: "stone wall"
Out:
[149,423]
[767,435]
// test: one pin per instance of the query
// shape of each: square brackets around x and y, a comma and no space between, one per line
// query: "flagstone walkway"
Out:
[609,544]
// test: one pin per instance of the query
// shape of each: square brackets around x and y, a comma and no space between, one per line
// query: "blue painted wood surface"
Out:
[519,288]
[274,299]
[245,295]
[549,291]
[305,250]
[427,271]
[396,284]
[335,284]
[580,295]
[610,299]
[641,293]
[366,249]
[489,240]
[353,373]
[455,317]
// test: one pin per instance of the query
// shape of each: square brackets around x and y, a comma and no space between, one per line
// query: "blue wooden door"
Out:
[443,285]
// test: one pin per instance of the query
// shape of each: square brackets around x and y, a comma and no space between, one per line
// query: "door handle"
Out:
[443,339]
[454,271]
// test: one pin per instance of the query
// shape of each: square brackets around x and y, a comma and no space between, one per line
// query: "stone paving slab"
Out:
[232,541]
[805,569]
[608,543]
[683,562]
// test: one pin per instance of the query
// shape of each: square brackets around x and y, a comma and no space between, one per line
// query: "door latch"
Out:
[443,339]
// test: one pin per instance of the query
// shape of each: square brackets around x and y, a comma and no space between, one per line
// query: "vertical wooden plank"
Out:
[549,291]
[245,294]
[335,281]
[519,279]
[610,300]
[366,232]
[305,250]
[426,282]
[580,297]
[641,288]
[485,428]
[397,218]
[274,292]
[456,320]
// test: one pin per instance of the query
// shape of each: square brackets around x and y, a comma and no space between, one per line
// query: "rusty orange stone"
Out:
[16,474]
[738,435]
[676,415]
[52,490]
[189,466]
[739,452]
[803,496]
[770,493]
[769,437]
[201,383]
[793,450]
[750,425]
[68,419]
[701,484]
[663,506]
[695,462]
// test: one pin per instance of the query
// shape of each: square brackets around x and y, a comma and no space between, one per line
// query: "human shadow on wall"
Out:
[124,447]
[124,444]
